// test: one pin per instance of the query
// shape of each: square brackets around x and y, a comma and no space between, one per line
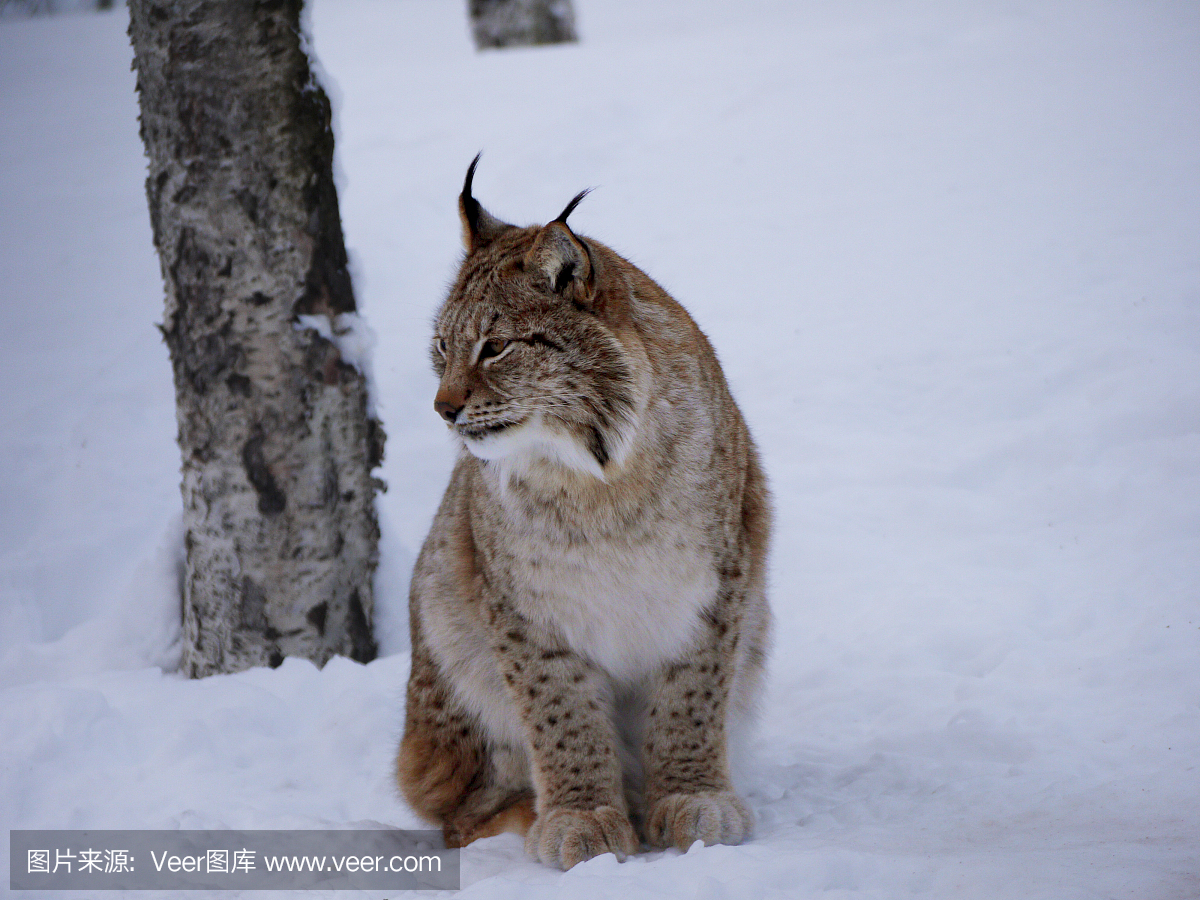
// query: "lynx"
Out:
[588,613]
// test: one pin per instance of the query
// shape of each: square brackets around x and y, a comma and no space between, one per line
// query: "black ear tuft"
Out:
[470,206]
[562,216]
[479,226]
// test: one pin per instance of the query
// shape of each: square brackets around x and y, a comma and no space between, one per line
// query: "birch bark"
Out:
[521,23]
[275,431]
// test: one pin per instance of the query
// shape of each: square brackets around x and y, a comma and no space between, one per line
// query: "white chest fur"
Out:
[626,608]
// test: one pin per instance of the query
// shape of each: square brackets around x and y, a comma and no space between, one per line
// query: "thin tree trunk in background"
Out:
[275,432]
[521,23]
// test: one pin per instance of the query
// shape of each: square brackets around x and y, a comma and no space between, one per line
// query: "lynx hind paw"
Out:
[516,816]
[563,837]
[714,817]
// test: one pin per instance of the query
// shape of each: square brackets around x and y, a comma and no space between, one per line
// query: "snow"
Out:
[947,252]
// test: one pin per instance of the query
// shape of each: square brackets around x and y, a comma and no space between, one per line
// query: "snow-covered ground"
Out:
[949,253]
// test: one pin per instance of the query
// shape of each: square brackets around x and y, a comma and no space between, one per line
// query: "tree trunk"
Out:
[275,429]
[521,23]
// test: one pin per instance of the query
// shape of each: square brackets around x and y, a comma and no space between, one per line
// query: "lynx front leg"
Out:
[581,809]
[689,795]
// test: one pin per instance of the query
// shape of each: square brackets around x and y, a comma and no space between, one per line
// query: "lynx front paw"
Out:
[562,837]
[715,817]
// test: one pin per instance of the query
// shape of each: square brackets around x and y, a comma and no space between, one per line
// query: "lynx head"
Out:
[533,347]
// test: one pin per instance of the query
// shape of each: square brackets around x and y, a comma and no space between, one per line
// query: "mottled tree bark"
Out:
[521,23]
[275,432]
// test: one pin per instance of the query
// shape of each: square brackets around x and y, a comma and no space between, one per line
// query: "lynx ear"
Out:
[564,261]
[479,225]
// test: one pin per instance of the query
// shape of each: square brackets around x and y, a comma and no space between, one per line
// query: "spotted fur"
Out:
[588,612]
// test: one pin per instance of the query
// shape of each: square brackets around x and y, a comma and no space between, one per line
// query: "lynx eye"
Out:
[441,346]
[492,348]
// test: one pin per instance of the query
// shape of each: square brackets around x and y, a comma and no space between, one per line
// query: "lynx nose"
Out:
[450,399]
[448,410]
